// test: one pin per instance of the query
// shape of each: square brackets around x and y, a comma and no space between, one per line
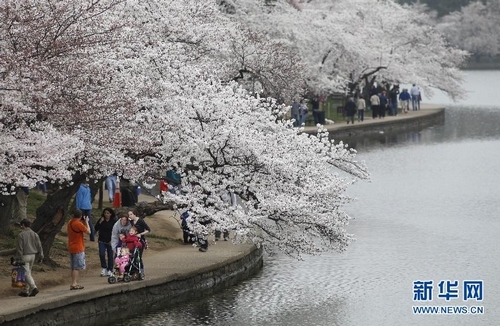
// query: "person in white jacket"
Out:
[361,106]
[415,95]
[375,104]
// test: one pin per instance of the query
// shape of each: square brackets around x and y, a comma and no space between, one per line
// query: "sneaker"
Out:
[104,272]
[34,292]
[110,273]
[23,294]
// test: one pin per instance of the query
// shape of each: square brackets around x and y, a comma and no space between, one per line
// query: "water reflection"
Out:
[430,212]
[461,123]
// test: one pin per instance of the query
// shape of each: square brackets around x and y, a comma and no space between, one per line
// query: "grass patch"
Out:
[35,200]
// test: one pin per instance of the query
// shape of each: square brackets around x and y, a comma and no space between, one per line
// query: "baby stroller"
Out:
[133,271]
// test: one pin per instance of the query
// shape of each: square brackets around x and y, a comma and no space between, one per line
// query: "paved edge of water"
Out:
[187,274]
[173,276]
[428,115]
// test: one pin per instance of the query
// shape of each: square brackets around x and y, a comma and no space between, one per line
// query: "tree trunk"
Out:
[5,213]
[101,196]
[51,215]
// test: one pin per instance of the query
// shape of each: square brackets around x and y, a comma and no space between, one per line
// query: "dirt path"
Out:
[166,233]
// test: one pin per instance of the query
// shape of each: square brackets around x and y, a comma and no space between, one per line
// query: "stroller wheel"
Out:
[126,278]
[141,276]
[111,280]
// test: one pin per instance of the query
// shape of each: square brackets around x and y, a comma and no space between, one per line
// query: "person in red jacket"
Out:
[132,240]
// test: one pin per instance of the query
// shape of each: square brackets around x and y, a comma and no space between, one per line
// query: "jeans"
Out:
[86,212]
[111,185]
[297,120]
[303,118]
[394,107]
[414,102]
[105,248]
[361,115]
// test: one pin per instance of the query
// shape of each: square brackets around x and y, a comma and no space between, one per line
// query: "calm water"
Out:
[430,212]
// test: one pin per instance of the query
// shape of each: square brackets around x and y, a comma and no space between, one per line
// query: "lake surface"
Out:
[430,212]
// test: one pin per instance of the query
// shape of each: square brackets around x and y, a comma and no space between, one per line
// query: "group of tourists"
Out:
[382,101]
[128,231]
[379,100]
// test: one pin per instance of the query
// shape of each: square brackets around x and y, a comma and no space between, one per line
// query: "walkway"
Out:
[176,263]
[161,267]
[426,109]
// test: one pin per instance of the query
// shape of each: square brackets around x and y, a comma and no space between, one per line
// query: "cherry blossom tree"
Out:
[474,28]
[56,96]
[97,86]
[346,43]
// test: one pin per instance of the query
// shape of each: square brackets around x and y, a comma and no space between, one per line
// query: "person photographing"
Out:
[77,226]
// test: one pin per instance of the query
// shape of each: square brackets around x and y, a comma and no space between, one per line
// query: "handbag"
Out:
[18,276]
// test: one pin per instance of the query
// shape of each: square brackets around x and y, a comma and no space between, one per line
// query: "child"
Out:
[122,261]
[121,243]
[132,240]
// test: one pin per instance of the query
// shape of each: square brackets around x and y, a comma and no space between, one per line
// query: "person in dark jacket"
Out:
[105,227]
[383,104]
[142,229]
[350,109]
[393,100]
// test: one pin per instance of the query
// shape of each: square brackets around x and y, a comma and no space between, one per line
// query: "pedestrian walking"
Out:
[111,186]
[415,93]
[404,99]
[302,112]
[393,100]
[28,249]
[83,201]
[20,205]
[361,106]
[295,113]
[375,105]
[383,104]
[77,226]
[350,109]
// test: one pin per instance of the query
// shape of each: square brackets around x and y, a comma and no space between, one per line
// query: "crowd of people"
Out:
[114,235]
[380,101]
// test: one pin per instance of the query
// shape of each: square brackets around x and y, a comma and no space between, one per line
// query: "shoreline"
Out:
[172,276]
[177,275]
[428,115]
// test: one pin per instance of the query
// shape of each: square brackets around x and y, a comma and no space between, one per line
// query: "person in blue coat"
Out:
[83,202]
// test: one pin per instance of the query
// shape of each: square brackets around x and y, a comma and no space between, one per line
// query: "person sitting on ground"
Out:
[122,260]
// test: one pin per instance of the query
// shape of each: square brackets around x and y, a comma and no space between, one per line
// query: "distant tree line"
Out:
[442,7]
